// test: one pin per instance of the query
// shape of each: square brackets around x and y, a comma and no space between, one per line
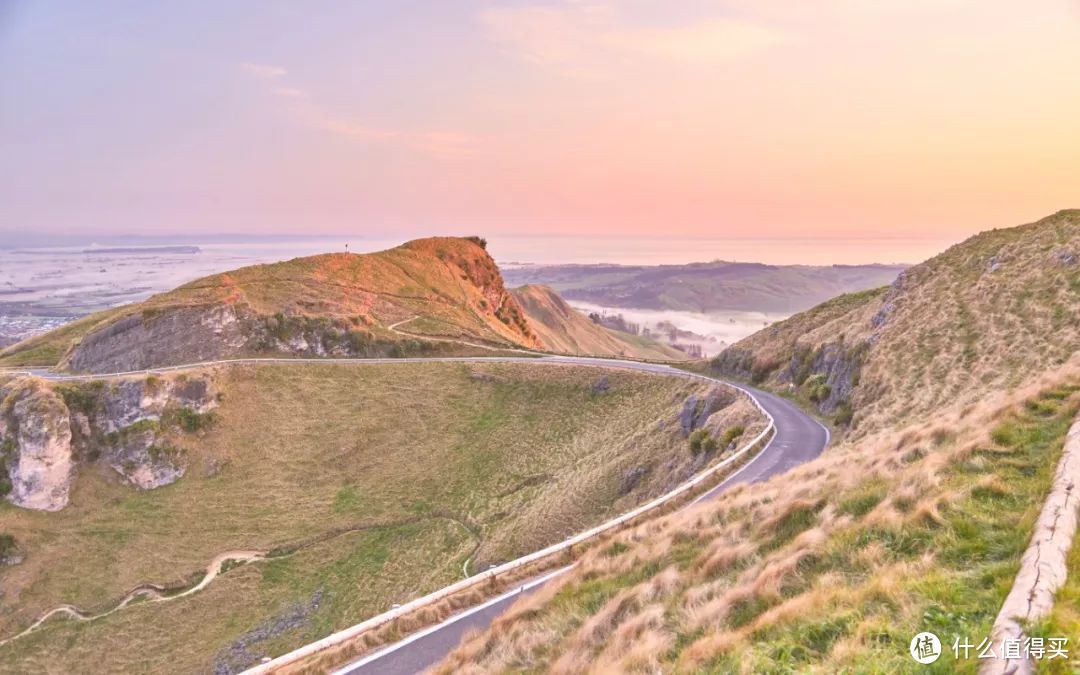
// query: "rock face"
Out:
[143,340]
[131,426]
[36,433]
[697,410]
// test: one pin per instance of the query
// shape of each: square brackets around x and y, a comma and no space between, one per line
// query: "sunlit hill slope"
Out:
[438,296]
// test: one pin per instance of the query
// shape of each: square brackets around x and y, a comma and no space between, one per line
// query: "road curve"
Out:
[799,438]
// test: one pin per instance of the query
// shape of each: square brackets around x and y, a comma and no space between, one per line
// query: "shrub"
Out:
[80,398]
[191,421]
[8,547]
[479,241]
[817,388]
[844,414]
[700,442]
[730,434]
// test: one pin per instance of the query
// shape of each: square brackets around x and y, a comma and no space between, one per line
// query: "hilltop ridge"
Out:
[429,297]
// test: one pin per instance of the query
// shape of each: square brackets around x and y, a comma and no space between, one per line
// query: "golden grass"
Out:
[986,315]
[415,467]
[829,568]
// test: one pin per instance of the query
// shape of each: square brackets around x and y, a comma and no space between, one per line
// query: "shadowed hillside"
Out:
[561,328]
[986,314]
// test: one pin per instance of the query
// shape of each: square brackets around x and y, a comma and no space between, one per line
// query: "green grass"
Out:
[377,482]
[976,552]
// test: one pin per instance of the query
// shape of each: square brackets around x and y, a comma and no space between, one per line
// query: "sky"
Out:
[771,119]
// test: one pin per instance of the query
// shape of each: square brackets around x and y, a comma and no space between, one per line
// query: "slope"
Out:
[987,314]
[561,328]
[429,297]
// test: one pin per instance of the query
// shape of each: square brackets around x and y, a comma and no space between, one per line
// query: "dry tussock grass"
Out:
[703,588]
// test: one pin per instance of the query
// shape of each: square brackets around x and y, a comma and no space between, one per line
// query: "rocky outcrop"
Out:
[134,426]
[830,373]
[697,410]
[182,335]
[149,340]
[35,433]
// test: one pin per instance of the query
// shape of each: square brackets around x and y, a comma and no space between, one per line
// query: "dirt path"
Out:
[393,328]
[152,592]
[157,593]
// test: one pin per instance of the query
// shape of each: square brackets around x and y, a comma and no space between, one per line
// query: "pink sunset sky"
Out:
[697,118]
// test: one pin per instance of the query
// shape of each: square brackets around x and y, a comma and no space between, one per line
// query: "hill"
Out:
[438,296]
[705,287]
[561,328]
[985,315]
[346,488]
[963,379]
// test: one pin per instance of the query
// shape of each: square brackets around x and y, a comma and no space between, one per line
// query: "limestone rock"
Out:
[37,441]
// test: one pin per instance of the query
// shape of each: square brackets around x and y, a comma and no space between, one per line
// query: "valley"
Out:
[353,506]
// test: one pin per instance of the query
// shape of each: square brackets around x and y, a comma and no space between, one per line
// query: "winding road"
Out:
[798,438]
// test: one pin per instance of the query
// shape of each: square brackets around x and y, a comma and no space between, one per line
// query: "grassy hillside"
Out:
[452,280]
[830,568]
[430,297]
[368,485]
[987,314]
[334,304]
[561,328]
[705,287]
[960,380]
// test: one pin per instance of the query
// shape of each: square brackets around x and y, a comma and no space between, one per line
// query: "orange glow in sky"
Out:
[703,118]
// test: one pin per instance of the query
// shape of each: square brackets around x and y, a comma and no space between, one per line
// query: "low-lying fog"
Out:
[712,332]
